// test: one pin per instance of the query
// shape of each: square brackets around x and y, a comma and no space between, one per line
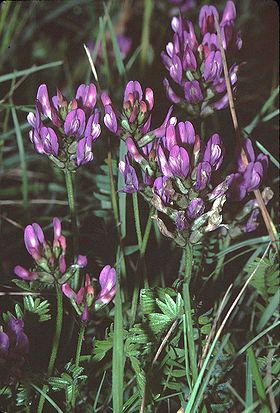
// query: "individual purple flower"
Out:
[75,123]
[193,93]
[182,134]
[93,129]
[86,94]
[82,261]
[203,175]
[176,69]
[195,208]
[14,346]
[84,151]
[206,19]
[110,119]
[107,280]
[49,141]
[213,66]
[24,274]
[214,152]
[34,240]
[179,161]
[162,189]
[43,98]
[172,96]
[130,176]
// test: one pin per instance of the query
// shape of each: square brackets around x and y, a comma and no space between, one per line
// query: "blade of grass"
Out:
[258,380]
[228,314]
[260,335]
[118,347]
[48,398]
[98,392]
[249,384]
[266,152]
[209,374]
[30,70]
[145,38]
[23,165]
[119,61]
[269,311]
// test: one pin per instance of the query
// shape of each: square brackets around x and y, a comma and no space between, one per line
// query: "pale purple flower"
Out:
[130,176]
[214,152]
[203,175]
[86,94]
[161,189]
[93,129]
[34,240]
[213,66]
[43,98]
[107,280]
[24,274]
[82,261]
[195,208]
[75,123]
[193,93]
[84,151]
[206,19]
[179,161]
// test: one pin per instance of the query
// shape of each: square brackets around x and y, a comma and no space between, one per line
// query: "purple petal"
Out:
[74,124]
[196,208]
[67,290]
[43,98]
[179,161]
[24,274]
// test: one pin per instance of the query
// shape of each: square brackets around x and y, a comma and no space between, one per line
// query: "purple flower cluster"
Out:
[74,126]
[174,173]
[49,259]
[14,345]
[195,65]
[50,266]
[85,298]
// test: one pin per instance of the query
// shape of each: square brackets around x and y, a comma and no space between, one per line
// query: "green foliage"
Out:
[37,307]
[266,278]
[69,381]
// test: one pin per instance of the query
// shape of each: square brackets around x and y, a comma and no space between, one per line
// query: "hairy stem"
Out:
[55,345]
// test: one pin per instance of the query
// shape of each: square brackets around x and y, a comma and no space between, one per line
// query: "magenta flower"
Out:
[130,176]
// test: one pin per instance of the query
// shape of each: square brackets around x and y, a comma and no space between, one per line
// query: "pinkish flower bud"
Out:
[82,261]
[24,274]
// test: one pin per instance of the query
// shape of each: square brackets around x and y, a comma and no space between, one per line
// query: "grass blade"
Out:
[257,379]
[118,347]
[22,159]
[33,69]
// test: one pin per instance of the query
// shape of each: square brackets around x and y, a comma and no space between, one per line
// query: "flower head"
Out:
[71,126]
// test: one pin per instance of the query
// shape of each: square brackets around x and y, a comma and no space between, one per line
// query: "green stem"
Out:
[139,266]
[56,340]
[137,219]
[188,312]
[69,181]
[77,359]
